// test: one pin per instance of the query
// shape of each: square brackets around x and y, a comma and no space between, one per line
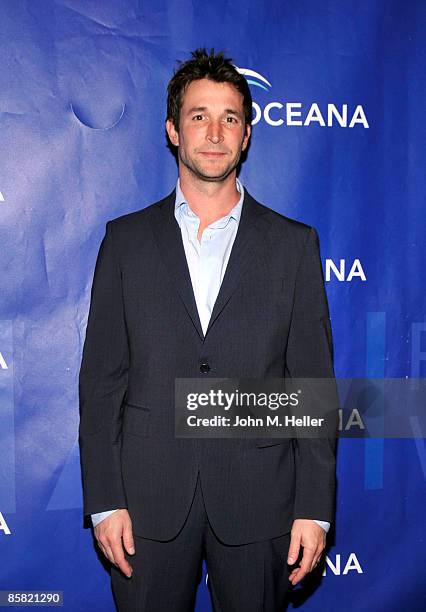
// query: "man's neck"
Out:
[209,200]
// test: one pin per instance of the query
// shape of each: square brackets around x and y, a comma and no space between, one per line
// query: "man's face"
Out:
[211,133]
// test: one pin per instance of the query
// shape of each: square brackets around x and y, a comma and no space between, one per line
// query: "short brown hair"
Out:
[203,65]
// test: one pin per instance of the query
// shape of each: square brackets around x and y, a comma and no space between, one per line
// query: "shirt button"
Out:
[204,368]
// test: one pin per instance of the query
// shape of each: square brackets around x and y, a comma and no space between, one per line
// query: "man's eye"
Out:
[197,116]
[231,119]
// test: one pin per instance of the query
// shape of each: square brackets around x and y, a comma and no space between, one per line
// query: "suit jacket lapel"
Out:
[169,239]
[243,253]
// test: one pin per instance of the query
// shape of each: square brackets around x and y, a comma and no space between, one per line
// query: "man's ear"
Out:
[246,137]
[172,133]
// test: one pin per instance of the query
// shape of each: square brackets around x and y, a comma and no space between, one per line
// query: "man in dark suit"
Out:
[206,283]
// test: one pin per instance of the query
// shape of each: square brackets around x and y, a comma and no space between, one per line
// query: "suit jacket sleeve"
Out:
[103,384]
[310,355]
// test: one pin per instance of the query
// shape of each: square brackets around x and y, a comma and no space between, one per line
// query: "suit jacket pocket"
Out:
[263,442]
[136,420]
[270,443]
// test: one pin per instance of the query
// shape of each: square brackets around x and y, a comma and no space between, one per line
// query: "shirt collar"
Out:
[235,212]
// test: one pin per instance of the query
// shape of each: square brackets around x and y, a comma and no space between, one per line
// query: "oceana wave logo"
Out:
[279,113]
[254,78]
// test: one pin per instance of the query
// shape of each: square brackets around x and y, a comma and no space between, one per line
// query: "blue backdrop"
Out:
[338,142]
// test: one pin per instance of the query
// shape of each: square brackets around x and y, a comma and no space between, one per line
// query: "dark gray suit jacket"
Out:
[270,319]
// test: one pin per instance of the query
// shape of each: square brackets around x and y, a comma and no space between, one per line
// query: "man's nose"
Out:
[214,133]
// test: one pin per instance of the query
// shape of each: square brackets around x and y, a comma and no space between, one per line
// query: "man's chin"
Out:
[213,175]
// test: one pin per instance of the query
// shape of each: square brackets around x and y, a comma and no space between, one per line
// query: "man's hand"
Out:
[109,534]
[311,536]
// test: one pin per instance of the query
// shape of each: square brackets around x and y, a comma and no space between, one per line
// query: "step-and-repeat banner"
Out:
[338,142]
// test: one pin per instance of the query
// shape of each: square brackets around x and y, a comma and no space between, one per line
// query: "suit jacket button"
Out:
[204,368]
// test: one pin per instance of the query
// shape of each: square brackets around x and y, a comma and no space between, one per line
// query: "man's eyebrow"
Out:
[195,109]
[232,111]
[228,111]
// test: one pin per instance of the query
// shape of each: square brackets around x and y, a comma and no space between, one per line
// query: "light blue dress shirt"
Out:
[207,261]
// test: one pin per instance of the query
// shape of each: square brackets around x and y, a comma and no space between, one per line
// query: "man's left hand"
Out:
[311,536]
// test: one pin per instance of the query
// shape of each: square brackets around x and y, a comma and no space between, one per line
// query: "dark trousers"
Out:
[246,578]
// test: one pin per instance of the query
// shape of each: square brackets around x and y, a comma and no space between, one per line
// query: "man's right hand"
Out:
[111,534]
